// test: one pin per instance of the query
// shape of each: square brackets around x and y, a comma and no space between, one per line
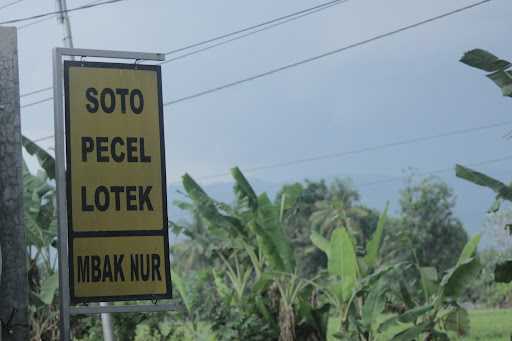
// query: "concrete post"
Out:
[14,283]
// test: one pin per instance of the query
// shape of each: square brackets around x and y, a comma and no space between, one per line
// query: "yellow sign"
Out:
[116,184]
[119,266]
[115,154]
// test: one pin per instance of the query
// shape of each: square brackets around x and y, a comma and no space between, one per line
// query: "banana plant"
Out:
[41,230]
[501,74]
[353,289]
[40,221]
[440,313]
[256,234]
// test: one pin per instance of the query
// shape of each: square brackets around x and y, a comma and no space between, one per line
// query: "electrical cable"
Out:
[10,4]
[363,150]
[354,151]
[307,60]
[36,92]
[437,171]
[323,55]
[35,22]
[271,24]
[245,29]
[48,99]
[43,15]
[333,3]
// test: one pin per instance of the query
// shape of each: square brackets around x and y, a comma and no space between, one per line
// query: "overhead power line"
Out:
[43,138]
[44,100]
[308,60]
[12,3]
[35,22]
[36,92]
[364,150]
[351,152]
[49,14]
[249,28]
[432,172]
[323,55]
[269,24]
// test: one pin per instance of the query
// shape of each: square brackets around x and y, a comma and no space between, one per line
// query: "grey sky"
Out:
[405,86]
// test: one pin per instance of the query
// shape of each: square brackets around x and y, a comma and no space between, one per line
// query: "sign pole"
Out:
[60,177]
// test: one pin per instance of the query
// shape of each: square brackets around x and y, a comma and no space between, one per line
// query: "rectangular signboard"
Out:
[125,266]
[116,188]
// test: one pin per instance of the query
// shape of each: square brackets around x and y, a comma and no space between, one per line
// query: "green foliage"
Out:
[484,291]
[209,210]
[180,286]
[41,235]
[373,306]
[441,312]
[503,272]
[374,243]
[502,78]
[467,267]
[244,190]
[251,271]
[342,264]
[458,321]
[357,298]
[428,233]
[503,192]
[49,288]
[320,242]
[46,161]
[271,236]
[486,61]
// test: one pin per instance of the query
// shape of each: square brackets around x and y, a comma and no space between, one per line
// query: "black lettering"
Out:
[155,267]
[133,94]
[87,147]
[95,267]
[107,270]
[101,205]
[130,198]
[122,93]
[101,146]
[134,274]
[91,94]
[143,157]
[131,149]
[118,268]
[144,275]
[117,190]
[117,157]
[144,198]
[85,206]
[112,105]
[84,274]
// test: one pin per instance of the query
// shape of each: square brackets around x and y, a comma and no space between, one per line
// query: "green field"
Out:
[486,325]
[490,325]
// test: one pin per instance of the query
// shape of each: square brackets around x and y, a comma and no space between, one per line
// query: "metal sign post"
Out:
[84,231]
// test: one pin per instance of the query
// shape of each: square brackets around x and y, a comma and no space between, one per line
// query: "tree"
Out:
[435,235]
[318,206]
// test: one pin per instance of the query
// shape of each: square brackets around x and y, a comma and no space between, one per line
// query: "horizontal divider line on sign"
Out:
[124,233]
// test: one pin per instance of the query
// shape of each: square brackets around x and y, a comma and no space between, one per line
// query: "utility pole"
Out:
[14,280]
[63,19]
